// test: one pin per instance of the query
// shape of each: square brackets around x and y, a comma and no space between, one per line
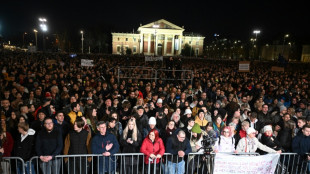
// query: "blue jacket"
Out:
[301,144]
[100,141]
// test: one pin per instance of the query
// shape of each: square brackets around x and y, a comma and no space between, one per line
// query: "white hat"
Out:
[160,100]
[250,130]
[267,128]
[187,111]
[152,120]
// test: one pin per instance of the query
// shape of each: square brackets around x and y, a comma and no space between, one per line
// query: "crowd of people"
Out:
[66,109]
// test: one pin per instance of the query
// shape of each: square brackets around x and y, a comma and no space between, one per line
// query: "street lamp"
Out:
[24,39]
[285,36]
[256,32]
[82,39]
[43,27]
[35,35]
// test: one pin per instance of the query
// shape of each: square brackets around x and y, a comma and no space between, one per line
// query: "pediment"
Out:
[161,24]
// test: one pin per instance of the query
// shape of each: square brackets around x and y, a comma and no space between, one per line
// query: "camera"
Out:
[207,142]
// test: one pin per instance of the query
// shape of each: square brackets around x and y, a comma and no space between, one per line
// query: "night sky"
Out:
[230,19]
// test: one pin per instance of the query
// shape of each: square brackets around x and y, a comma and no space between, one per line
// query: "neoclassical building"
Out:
[159,38]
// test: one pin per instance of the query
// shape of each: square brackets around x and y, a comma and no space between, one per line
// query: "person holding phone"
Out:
[130,141]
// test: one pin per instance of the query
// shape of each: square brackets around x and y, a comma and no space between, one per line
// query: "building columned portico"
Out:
[159,38]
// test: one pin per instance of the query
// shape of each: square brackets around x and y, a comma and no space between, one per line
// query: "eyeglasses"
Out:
[182,137]
[49,123]
[226,131]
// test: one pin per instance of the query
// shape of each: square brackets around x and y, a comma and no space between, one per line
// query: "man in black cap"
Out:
[141,119]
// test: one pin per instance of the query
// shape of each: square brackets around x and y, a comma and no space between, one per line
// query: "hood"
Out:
[31,131]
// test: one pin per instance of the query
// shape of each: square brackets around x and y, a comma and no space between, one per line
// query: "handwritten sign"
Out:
[227,164]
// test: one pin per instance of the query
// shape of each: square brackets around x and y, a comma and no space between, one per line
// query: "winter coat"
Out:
[250,145]
[77,142]
[225,144]
[7,145]
[24,145]
[173,145]
[49,143]
[100,141]
[148,147]
[271,141]
[285,139]
[301,144]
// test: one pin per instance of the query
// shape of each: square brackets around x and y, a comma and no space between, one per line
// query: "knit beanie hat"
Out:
[250,130]
[282,108]
[267,128]
[196,128]
[200,110]
[187,111]
[152,120]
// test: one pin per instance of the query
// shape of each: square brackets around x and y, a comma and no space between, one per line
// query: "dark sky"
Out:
[231,19]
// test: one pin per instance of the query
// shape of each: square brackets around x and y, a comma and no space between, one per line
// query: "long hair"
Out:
[134,131]
[93,121]
[155,132]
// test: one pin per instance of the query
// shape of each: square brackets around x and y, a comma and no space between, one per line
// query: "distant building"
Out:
[305,55]
[159,38]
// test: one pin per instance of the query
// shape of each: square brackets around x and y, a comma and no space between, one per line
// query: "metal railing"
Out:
[8,162]
[131,163]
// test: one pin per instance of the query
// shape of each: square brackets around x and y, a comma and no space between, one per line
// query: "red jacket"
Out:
[7,145]
[155,148]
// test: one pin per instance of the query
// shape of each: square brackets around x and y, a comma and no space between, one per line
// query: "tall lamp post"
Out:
[43,27]
[256,32]
[24,39]
[36,36]
[82,39]
[285,36]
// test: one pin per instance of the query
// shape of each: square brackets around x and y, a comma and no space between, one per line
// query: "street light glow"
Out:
[256,31]
[42,20]
[81,31]
[34,30]
[43,27]
[287,35]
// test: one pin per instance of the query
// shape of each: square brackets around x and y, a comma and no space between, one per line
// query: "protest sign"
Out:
[227,164]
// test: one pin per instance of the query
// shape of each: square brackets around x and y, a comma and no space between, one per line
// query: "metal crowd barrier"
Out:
[134,163]
[292,163]
[7,164]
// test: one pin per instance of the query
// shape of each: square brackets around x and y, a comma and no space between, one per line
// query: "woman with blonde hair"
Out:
[130,141]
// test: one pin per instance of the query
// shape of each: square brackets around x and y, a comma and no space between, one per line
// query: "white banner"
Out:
[227,164]
[244,67]
[87,62]
[151,58]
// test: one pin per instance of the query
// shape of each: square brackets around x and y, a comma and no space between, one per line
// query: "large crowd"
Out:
[50,109]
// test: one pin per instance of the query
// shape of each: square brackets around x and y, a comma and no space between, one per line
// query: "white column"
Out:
[149,44]
[165,45]
[180,44]
[141,43]
[172,50]
[156,44]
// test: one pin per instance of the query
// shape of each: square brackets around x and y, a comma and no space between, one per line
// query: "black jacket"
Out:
[25,148]
[49,143]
